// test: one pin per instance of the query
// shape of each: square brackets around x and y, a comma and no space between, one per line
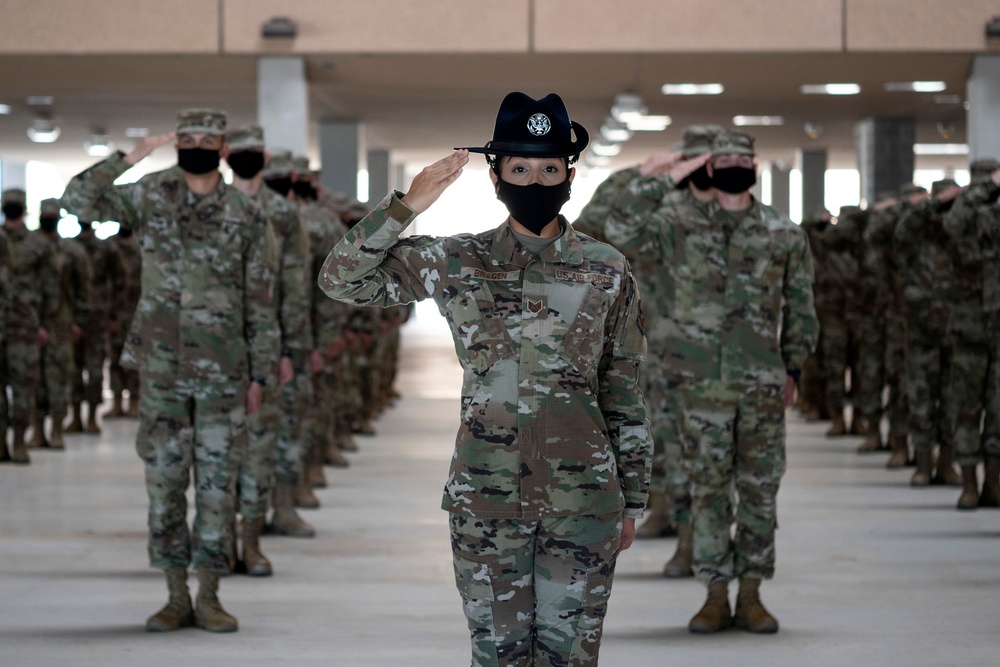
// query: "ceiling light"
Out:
[915,86]
[280,27]
[43,130]
[41,101]
[606,148]
[594,160]
[137,132]
[692,89]
[98,145]
[4,109]
[947,99]
[626,107]
[615,131]
[648,123]
[831,89]
[758,121]
[941,149]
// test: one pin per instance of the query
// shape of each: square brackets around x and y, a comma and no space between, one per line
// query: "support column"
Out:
[812,163]
[341,145]
[283,102]
[399,181]
[13,175]
[781,187]
[885,155]
[984,100]
[378,175]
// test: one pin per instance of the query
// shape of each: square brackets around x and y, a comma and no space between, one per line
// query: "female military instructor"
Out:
[552,457]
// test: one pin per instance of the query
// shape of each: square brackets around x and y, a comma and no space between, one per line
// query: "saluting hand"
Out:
[147,145]
[685,168]
[659,162]
[434,179]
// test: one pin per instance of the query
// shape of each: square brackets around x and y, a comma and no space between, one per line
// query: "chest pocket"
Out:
[222,246]
[481,337]
[583,343]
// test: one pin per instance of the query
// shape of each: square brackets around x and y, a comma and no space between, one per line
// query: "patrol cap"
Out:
[201,121]
[846,211]
[698,139]
[249,138]
[279,163]
[50,207]
[983,167]
[884,195]
[14,195]
[300,166]
[937,187]
[908,189]
[725,143]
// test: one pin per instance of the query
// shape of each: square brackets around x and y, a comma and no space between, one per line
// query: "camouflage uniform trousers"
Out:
[898,406]
[122,379]
[663,405]
[927,367]
[185,424]
[974,387]
[89,357]
[871,369]
[321,422]
[20,369]
[535,592]
[56,376]
[734,440]
[294,402]
[256,465]
[835,350]
[348,400]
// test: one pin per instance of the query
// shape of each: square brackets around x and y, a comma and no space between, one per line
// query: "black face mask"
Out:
[282,185]
[304,190]
[197,161]
[13,210]
[246,164]
[734,180]
[535,205]
[125,232]
[700,178]
[48,224]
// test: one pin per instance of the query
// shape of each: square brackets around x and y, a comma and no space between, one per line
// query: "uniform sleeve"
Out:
[960,224]
[92,194]
[799,327]
[48,308]
[4,283]
[621,399]
[293,289]
[632,224]
[372,266]
[260,323]
[83,278]
[595,215]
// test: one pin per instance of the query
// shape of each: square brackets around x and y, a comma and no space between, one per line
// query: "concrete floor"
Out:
[870,571]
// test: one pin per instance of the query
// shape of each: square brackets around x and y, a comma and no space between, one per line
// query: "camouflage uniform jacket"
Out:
[5,260]
[329,318]
[553,421]
[922,252]
[838,281]
[815,231]
[741,308]
[205,313]
[595,215]
[974,227]
[73,280]
[33,297]
[293,273]
[127,296]
[106,271]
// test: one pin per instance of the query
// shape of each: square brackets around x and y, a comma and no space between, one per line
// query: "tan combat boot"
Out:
[925,464]
[873,443]
[750,613]
[990,496]
[900,457]
[285,520]
[345,440]
[20,450]
[679,566]
[838,428]
[334,457]
[75,424]
[969,498]
[658,523]
[56,440]
[714,614]
[177,613]
[38,431]
[116,407]
[255,562]
[91,421]
[859,426]
[208,612]
[305,498]
[944,469]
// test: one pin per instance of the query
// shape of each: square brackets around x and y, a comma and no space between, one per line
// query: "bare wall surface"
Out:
[919,25]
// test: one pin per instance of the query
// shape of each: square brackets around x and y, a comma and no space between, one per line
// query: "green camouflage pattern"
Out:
[91,348]
[535,592]
[552,421]
[812,383]
[245,138]
[5,296]
[201,121]
[12,195]
[125,302]
[836,287]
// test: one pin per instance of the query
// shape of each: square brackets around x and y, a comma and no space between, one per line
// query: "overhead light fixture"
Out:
[692,89]
[648,123]
[813,130]
[758,121]
[43,130]
[615,131]
[831,89]
[4,109]
[627,106]
[99,145]
[136,132]
[595,160]
[606,148]
[915,86]
[279,27]
[40,101]
[940,149]
[947,99]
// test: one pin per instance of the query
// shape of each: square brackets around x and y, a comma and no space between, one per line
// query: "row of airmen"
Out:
[326,369]
[906,294]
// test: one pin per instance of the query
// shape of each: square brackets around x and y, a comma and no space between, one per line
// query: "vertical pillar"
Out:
[378,175]
[812,163]
[283,102]
[13,175]
[340,151]
[885,154]
[984,99]
[399,181]
[781,187]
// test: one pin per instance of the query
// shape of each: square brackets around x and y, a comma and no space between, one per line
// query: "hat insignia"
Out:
[539,124]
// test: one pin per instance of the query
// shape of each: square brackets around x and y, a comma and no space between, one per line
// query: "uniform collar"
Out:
[566,250]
